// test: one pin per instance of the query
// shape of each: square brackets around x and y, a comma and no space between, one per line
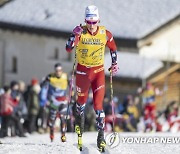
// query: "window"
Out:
[14,64]
[149,43]
[56,53]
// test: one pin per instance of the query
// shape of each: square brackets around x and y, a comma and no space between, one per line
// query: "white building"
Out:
[33,33]
[24,55]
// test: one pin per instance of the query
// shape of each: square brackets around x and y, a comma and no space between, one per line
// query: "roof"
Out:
[3,2]
[132,65]
[124,18]
[163,73]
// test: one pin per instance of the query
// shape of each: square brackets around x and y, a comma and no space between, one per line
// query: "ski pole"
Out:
[70,89]
[71,84]
[112,102]
[114,134]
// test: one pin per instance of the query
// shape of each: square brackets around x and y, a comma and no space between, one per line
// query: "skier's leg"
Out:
[51,122]
[79,123]
[100,122]
[82,85]
[98,87]
[63,128]
[62,112]
[79,118]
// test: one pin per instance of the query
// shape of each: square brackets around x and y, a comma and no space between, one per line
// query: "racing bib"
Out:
[90,50]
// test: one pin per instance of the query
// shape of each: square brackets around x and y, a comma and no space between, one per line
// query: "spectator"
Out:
[17,126]
[1,92]
[22,104]
[6,110]
[33,101]
[148,96]
[43,111]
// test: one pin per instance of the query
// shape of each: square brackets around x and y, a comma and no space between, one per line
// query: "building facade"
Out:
[25,55]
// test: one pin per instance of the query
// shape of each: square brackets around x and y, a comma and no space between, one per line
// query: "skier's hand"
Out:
[77,30]
[114,68]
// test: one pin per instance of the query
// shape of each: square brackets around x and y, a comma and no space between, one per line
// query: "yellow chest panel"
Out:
[60,83]
[90,50]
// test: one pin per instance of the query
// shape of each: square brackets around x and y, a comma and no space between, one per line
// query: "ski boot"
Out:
[51,134]
[63,138]
[79,124]
[63,130]
[79,127]
[79,133]
[101,143]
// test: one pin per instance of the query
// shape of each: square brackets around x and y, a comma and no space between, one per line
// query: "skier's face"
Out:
[92,25]
[58,71]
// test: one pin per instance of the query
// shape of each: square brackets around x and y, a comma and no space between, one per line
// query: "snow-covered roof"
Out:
[124,18]
[132,65]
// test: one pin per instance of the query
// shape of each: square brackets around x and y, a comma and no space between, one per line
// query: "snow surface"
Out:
[40,144]
[124,18]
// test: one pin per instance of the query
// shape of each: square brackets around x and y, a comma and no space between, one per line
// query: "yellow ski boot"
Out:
[63,138]
[78,131]
[101,143]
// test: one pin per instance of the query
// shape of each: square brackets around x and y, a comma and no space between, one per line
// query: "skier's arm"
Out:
[72,42]
[74,38]
[113,50]
[112,46]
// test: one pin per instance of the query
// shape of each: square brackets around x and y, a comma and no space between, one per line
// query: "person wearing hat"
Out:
[57,83]
[90,41]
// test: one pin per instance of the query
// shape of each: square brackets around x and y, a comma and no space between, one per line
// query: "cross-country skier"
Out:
[57,88]
[90,41]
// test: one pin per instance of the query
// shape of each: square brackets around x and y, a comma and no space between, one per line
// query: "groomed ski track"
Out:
[40,144]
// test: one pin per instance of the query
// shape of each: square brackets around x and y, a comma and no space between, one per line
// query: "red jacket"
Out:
[6,104]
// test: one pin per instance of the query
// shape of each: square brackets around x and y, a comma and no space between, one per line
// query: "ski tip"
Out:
[63,138]
[101,150]
[80,147]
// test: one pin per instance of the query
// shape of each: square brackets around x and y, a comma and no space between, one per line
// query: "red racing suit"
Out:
[90,49]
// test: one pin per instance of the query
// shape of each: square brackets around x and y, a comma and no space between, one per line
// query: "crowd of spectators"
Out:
[130,116]
[24,109]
